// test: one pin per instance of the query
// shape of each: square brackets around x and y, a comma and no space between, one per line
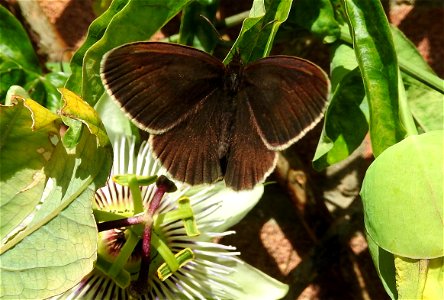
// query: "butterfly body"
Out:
[209,121]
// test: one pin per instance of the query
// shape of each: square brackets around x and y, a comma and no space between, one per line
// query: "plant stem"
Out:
[233,20]
[429,79]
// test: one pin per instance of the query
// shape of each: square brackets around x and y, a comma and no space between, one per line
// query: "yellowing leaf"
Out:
[78,109]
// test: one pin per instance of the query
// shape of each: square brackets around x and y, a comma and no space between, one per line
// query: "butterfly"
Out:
[209,121]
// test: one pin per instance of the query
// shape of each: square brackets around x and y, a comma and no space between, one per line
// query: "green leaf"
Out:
[52,213]
[56,245]
[402,196]
[95,32]
[52,82]
[15,91]
[19,64]
[27,126]
[73,133]
[18,61]
[259,29]
[345,124]
[11,73]
[406,50]
[317,16]
[420,278]
[195,30]
[15,44]
[378,64]
[343,61]
[44,89]
[385,266]
[426,104]
[116,123]
[100,6]
[59,245]
[124,21]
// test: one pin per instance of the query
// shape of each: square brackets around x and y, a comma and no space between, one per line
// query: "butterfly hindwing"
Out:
[286,95]
[249,160]
[189,151]
[159,84]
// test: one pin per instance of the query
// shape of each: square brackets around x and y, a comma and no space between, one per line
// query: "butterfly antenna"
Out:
[219,37]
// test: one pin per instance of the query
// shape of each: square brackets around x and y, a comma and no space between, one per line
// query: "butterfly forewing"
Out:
[159,84]
[286,95]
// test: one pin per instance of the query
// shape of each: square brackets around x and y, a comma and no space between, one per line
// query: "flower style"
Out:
[183,261]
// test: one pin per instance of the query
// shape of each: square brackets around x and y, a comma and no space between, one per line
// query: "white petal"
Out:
[233,207]
[255,285]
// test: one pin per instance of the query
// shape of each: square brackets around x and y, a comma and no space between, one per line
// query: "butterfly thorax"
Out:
[233,75]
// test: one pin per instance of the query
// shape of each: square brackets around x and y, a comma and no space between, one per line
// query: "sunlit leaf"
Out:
[345,124]
[377,61]
[434,286]
[259,29]
[15,91]
[52,244]
[420,278]
[425,103]
[15,44]
[75,108]
[317,16]
[27,126]
[19,64]
[402,195]
[18,61]
[410,277]
[116,123]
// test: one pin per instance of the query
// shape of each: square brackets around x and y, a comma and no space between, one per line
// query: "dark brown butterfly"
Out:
[209,121]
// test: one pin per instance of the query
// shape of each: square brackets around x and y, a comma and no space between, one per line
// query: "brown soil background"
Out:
[308,229]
